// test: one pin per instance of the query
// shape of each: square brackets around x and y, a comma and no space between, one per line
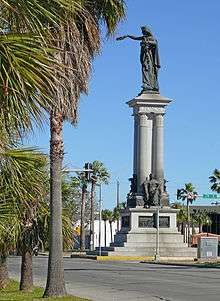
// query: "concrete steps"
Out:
[165,251]
[143,244]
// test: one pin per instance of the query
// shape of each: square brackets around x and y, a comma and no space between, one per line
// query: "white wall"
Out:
[108,233]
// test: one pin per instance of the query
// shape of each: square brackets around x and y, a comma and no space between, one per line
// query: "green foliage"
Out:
[106,214]
[100,173]
[201,217]
[71,196]
[187,193]
[116,210]
[23,205]
[215,181]
[21,189]
[182,214]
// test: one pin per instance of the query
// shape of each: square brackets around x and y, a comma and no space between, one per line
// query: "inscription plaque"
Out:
[149,222]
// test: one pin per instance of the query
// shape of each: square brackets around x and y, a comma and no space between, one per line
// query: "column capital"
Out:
[143,119]
[159,119]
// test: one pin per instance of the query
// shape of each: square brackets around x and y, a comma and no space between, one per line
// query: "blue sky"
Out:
[189,44]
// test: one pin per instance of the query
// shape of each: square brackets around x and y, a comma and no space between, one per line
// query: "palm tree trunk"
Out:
[4,278]
[82,224]
[110,223]
[55,277]
[26,281]
[188,224]
[200,228]
[92,240]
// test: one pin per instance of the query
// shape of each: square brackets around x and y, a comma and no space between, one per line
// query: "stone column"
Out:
[144,149]
[158,151]
[135,144]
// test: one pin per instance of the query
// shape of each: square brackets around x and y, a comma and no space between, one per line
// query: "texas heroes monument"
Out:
[148,184]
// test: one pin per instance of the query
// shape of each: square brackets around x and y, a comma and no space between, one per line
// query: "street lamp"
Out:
[157,222]
[100,218]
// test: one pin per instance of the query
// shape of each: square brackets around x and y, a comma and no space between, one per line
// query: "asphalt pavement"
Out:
[130,281]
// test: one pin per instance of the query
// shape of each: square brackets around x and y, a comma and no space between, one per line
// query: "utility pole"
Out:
[100,219]
[117,202]
[188,223]
[157,255]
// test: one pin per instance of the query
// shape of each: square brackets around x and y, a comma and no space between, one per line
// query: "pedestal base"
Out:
[137,236]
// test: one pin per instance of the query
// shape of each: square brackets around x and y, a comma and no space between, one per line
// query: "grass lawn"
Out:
[12,293]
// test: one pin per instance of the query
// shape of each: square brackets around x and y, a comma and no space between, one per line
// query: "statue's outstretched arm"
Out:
[130,37]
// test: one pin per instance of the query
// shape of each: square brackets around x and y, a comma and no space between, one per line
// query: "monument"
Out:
[148,186]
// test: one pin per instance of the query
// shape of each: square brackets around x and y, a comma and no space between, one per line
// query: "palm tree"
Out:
[100,175]
[181,216]
[10,228]
[79,42]
[215,181]
[76,35]
[22,186]
[202,218]
[189,194]
[27,63]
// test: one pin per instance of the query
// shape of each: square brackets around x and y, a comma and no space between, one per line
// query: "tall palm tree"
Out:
[27,64]
[214,179]
[100,175]
[79,42]
[74,30]
[189,194]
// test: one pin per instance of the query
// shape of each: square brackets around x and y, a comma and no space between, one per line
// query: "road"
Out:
[130,281]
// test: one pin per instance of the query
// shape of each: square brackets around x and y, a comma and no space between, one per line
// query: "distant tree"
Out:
[201,218]
[71,196]
[181,216]
[214,180]
[189,194]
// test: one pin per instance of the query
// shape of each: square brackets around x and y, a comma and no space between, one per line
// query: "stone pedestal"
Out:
[137,236]
[148,112]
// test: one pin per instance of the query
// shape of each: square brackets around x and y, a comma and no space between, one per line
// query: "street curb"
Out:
[197,265]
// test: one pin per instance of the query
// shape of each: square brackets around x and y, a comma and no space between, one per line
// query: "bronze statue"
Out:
[149,58]
[133,185]
[152,191]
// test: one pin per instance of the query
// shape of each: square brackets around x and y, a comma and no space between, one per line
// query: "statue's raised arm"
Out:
[149,58]
[130,37]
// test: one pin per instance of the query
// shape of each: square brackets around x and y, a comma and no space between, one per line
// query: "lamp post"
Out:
[157,255]
[100,218]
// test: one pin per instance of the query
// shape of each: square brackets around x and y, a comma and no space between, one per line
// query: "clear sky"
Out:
[189,42]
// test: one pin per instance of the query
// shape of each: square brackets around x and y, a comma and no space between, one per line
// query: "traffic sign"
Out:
[210,196]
